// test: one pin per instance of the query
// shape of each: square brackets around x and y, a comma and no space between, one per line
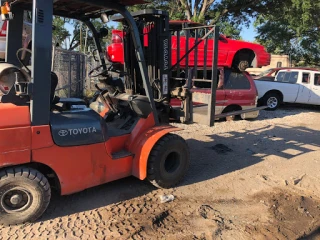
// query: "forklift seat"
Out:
[140,105]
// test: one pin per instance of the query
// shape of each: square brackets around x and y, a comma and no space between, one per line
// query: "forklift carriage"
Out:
[48,142]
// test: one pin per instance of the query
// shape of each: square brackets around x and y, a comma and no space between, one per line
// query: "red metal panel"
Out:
[41,137]
[13,116]
[15,145]
[142,147]
[77,167]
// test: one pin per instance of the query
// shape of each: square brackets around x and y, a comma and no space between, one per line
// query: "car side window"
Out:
[305,78]
[236,80]
[293,78]
[317,79]
[288,77]
[199,84]
[280,76]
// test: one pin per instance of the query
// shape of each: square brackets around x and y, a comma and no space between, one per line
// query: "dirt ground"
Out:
[256,179]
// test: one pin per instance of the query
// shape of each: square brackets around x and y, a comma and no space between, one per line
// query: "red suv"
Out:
[232,53]
[235,91]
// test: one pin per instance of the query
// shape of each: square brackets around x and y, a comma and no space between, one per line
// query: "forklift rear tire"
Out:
[168,161]
[24,195]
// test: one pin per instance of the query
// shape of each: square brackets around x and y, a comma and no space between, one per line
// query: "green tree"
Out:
[229,29]
[173,7]
[82,35]
[294,29]
[179,9]
[60,33]
[240,11]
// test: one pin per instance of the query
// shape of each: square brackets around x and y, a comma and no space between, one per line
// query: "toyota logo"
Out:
[63,133]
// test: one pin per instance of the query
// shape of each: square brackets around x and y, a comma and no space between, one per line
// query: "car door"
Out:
[304,93]
[315,89]
[238,89]
[286,82]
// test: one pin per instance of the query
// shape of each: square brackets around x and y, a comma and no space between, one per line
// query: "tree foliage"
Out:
[60,32]
[283,26]
[173,7]
[83,37]
[294,29]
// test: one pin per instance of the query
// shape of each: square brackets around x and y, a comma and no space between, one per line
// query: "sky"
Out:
[248,34]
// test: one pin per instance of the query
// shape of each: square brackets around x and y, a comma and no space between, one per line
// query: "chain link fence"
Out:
[72,69]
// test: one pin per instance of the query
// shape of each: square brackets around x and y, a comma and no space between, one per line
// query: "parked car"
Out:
[290,86]
[232,53]
[269,74]
[236,90]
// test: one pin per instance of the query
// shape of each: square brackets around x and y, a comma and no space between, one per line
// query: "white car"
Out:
[290,86]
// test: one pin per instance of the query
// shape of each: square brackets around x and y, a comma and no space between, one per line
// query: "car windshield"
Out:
[264,73]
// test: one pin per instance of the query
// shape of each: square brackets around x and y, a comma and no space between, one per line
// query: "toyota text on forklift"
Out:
[47,142]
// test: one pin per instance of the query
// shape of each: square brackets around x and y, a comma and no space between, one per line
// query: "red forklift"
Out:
[47,142]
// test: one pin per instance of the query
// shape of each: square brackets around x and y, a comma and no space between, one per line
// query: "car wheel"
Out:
[168,161]
[272,100]
[243,65]
[230,118]
[24,195]
[231,109]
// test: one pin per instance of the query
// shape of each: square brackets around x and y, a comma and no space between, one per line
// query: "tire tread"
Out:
[39,180]
[153,158]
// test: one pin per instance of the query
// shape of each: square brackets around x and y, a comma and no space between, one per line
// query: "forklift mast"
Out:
[155,38]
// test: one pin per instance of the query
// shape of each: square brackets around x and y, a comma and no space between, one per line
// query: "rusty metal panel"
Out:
[201,97]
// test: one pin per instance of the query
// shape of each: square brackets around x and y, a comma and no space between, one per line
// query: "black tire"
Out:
[24,195]
[231,109]
[272,100]
[168,161]
[230,118]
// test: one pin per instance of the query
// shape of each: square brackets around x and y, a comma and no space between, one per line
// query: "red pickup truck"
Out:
[232,53]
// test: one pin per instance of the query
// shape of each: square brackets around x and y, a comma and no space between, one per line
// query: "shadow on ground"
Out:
[232,151]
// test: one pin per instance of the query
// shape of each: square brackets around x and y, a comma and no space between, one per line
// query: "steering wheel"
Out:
[21,56]
[100,70]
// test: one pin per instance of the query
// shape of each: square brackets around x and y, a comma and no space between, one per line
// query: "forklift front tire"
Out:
[24,195]
[168,161]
